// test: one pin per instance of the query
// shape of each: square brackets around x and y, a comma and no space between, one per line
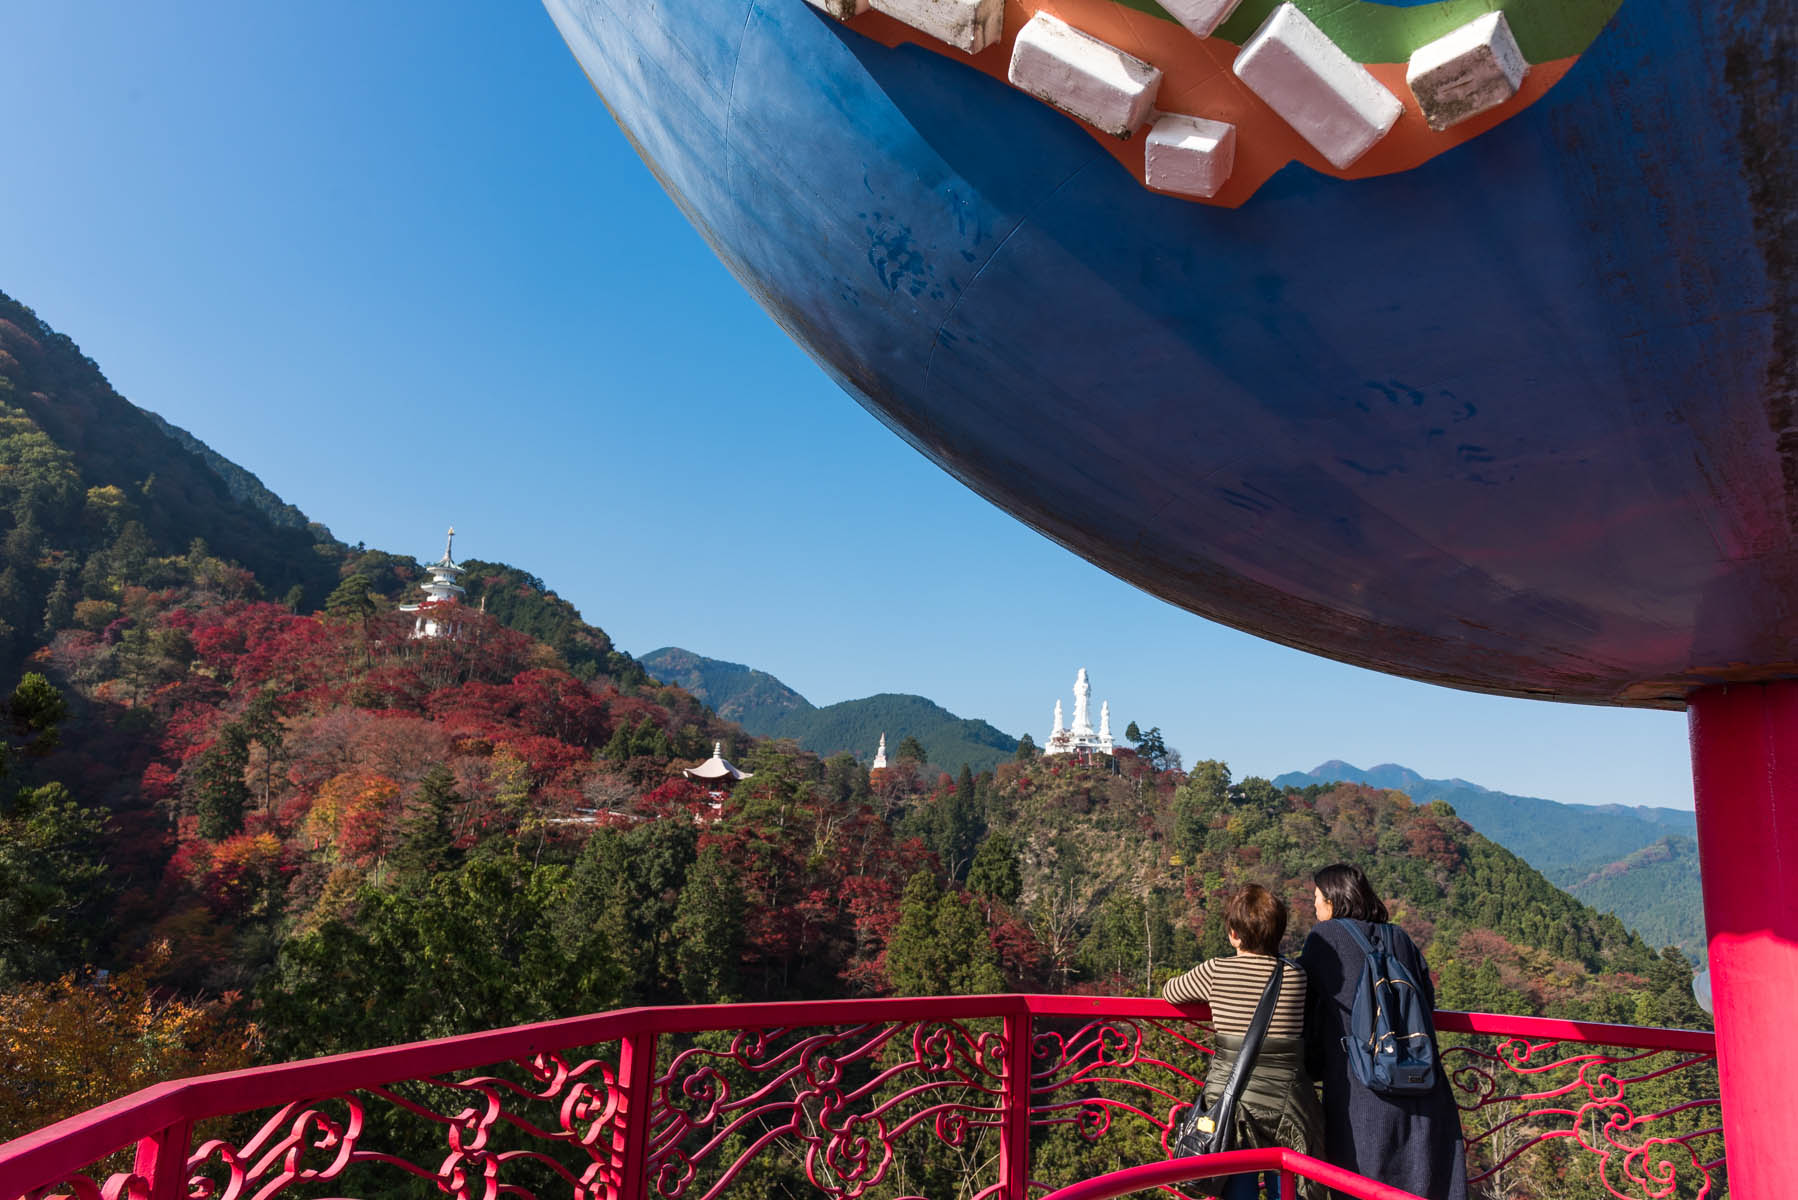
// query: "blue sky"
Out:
[408,271]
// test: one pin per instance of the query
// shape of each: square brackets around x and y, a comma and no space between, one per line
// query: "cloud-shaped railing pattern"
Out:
[969,1097]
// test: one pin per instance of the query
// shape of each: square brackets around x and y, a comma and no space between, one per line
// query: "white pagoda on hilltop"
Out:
[880,755]
[1079,739]
[443,590]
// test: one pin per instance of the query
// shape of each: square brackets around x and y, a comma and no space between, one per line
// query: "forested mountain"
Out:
[1654,891]
[242,485]
[753,699]
[1550,835]
[1639,862]
[766,707]
[92,490]
[856,725]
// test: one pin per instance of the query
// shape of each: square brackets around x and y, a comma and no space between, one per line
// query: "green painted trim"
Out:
[1546,30]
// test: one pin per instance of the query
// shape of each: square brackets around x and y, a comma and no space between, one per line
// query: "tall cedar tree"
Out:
[940,946]
[426,843]
[708,930]
[219,793]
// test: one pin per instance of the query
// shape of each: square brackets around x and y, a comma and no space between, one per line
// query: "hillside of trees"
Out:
[324,830]
[243,485]
[856,726]
[92,489]
[1652,890]
[1639,862]
[248,817]
[308,832]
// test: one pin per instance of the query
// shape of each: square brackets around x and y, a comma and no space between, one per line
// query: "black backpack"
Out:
[1392,1041]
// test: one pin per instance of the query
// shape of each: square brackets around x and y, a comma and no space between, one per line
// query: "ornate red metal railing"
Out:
[1289,1165]
[965,1097]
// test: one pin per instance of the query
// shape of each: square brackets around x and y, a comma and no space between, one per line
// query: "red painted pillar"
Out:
[1014,1138]
[162,1160]
[630,1135]
[1745,768]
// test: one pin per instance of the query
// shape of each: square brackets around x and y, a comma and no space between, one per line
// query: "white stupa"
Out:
[442,590]
[1080,738]
[880,755]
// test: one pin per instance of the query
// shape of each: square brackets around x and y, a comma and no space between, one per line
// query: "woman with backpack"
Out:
[1388,1112]
[1277,1105]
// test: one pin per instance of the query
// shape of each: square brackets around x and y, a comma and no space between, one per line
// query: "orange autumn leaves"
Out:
[355,813]
[70,1045]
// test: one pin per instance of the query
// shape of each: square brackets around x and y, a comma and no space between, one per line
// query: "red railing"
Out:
[1289,1165]
[981,1097]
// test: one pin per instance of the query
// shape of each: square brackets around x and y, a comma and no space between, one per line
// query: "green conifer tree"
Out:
[262,726]
[912,964]
[351,600]
[972,965]
[129,555]
[426,842]
[593,928]
[217,785]
[618,748]
[911,750]
[59,606]
[940,946]
[995,873]
[51,880]
[708,930]
[37,710]
[956,828]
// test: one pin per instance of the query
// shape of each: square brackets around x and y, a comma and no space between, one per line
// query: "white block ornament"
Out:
[1190,156]
[968,25]
[1201,16]
[1083,76]
[1467,72]
[1328,98]
[842,10]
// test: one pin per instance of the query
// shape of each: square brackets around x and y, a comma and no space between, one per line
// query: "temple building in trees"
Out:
[434,615]
[1079,738]
[716,775]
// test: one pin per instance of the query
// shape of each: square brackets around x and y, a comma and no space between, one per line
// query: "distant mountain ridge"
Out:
[766,707]
[753,699]
[1638,861]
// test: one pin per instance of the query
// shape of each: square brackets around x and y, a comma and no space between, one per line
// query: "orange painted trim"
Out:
[1197,80]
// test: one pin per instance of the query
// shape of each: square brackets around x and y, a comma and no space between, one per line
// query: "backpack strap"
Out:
[1225,1107]
[1361,939]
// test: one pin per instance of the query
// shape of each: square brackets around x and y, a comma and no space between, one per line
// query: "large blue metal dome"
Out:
[1519,419]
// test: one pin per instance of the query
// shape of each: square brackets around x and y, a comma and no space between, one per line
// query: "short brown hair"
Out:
[1258,919]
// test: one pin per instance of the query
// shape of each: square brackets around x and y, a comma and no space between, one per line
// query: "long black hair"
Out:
[1349,894]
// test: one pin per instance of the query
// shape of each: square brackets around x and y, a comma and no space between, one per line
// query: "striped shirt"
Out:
[1233,985]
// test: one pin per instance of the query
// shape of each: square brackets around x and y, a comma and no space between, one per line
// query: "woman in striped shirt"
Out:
[1278,1105]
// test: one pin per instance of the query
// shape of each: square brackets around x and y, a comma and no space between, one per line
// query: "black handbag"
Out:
[1209,1131]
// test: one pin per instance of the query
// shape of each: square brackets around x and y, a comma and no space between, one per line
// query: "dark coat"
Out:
[1410,1142]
